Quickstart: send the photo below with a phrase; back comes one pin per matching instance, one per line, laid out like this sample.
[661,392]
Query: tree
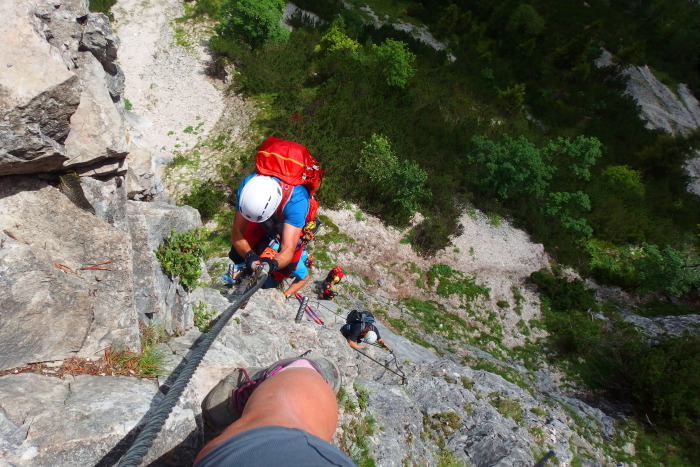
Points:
[337,40]
[578,155]
[398,185]
[618,205]
[525,22]
[254,22]
[510,167]
[568,207]
[395,62]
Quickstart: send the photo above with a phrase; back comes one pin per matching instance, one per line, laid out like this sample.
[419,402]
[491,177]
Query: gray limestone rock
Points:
[108,197]
[141,180]
[97,128]
[155,295]
[57,308]
[100,40]
[38,95]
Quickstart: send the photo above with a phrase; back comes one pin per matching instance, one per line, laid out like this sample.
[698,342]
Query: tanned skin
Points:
[288,243]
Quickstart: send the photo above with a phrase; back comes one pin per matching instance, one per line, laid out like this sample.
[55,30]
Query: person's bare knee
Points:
[293,398]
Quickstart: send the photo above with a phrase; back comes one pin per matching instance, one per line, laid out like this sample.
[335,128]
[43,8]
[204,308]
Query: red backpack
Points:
[293,165]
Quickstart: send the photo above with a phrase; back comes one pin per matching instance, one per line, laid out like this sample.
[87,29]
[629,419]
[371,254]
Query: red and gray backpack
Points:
[293,165]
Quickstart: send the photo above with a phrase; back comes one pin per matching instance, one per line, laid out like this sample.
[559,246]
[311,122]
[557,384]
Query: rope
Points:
[152,427]
[400,373]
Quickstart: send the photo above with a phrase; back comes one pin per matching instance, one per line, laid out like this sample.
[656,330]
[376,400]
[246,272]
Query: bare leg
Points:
[296,286]
[293,398]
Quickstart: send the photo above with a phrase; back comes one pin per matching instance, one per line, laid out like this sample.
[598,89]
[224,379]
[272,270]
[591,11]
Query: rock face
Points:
[56,308]
[64,188]
[38,94]
[445,408]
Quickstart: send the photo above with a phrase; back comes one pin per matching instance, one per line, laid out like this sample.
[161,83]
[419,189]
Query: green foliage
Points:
[103,6]
[179,256]
[433,234]
[525,21]
[661,308]
[394,60]
[567,207]
[207,198]
[335,40]
[200,8]
[255,22]
[146,364]
[618,202]
[433,318]
[513,97]
[362,395]
[127,104]
[398,184]
[510,168]
[451,282]
[202,317]
[507,407]
[566,309]
[562,294]
[648,267]
[577,156]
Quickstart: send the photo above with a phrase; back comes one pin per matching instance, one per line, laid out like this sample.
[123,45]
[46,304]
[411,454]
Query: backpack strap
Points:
[287,190]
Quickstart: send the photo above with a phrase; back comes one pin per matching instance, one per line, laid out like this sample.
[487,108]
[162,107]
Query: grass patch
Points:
[507,407]
[145,364]
[450,282]
[507,373]
[203,317]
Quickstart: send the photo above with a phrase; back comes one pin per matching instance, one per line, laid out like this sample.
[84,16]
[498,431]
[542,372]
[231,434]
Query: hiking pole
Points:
[152,427]
[302,308]
[402,376]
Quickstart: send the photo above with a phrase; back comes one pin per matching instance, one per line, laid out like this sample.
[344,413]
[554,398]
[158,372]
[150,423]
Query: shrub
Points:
[180,254]
[397,184]
[562,294]
[254,22]
[395,62]
[206,198]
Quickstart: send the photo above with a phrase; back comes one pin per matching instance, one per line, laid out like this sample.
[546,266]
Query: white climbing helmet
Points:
[260,198]
[370,337]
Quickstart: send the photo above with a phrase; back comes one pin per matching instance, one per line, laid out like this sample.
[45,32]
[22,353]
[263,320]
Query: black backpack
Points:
[363,317]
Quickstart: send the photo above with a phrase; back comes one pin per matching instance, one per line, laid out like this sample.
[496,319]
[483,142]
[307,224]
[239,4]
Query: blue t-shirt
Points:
[294,212]
[301,270]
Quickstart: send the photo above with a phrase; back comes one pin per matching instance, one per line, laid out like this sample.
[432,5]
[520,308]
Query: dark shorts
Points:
[274,446]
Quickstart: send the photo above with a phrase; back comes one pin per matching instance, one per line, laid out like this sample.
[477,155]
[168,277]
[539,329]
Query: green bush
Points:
[647,268]
[103,6]
[398,185]
[206,198]
[179,256]
[563,295]
[394,61]
[254,22]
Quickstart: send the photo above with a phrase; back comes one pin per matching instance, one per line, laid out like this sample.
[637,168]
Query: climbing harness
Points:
[309,311]
[152,427]
[398,371]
